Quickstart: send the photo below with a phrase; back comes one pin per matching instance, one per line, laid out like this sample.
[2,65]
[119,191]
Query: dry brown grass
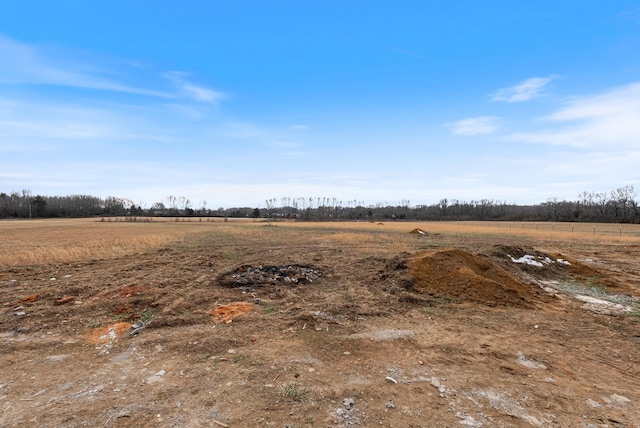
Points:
[392,233]
[38,242]
[609,229]
[57,241]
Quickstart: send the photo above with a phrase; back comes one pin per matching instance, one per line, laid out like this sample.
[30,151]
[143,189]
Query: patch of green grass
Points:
[122,317]
[269,309]
[597,291]
[429,310]
[146,315]
[348,298]
[231,254]
[446,300]
[240,358]
[588,289]
[294,392]
[202,358]
[95,324]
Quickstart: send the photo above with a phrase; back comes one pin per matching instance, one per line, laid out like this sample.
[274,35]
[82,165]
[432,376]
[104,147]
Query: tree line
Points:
[617,206]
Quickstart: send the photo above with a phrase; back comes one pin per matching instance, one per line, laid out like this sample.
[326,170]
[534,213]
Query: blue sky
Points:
[376,101]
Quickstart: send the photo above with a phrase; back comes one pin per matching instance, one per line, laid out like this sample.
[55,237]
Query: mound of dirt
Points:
[538,265]
[457,274]
[259,276]
[417,231]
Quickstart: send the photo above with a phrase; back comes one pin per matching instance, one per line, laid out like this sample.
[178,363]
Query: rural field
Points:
[207,323]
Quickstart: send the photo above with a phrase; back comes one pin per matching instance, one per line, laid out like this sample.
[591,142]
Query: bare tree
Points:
[173,202]
[269,203]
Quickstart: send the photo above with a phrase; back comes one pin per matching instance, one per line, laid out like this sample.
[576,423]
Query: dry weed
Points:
[39,242]
[59,241]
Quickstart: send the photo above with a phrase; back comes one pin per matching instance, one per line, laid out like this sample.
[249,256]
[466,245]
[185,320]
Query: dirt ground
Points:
[284,331]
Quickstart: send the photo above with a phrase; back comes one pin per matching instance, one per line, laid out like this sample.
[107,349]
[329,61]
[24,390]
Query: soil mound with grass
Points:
[459,275]
[535,266]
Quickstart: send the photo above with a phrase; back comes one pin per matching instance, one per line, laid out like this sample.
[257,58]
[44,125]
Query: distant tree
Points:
[4,198]
[39,205]
[256,213]
[623,201]
[270,204]
[185,204]
[114,206]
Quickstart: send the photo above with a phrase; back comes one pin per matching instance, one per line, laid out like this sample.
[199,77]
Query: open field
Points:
[55,241]
[337,324]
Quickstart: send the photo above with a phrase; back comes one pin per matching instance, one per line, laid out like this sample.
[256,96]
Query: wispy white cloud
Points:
[199,93]
[405,52]
[243,130]
[631,14]
[42,125]
[264,136]
[21,63]
[605,121]
[474,126]
[528,90]
[299,127]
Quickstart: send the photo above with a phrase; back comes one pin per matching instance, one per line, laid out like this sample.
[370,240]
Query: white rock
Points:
[527,362]
[527,259]
[593,403]
[617,400]
[55,358]
[348,403]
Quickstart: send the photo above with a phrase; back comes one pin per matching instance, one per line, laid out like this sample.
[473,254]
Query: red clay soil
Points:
[108,333]
[134,290]
[457,274]
[29,299]
[226,313]
[65,299]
